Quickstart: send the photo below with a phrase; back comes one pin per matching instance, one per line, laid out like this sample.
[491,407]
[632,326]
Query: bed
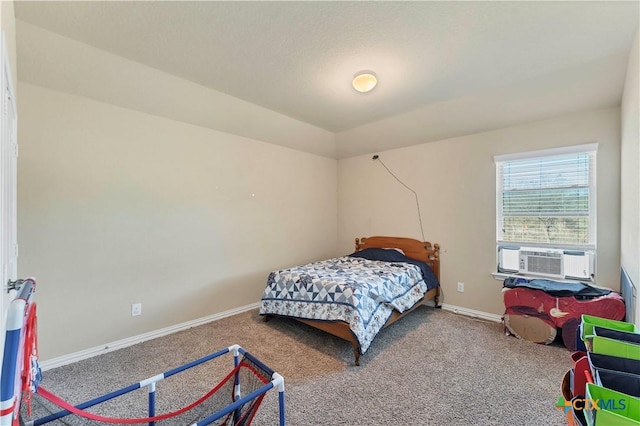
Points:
[354,297]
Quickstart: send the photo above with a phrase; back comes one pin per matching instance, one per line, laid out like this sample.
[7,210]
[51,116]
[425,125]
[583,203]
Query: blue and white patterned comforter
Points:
[358,291]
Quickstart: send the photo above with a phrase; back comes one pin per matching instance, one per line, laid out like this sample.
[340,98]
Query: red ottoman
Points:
[535,315]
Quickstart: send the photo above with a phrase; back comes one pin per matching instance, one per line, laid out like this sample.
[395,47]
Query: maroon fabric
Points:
[570,333]
[562,312]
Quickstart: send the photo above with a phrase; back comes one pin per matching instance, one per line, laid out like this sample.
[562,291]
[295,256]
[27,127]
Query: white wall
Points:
[118,206]
[630,176]
[456,184]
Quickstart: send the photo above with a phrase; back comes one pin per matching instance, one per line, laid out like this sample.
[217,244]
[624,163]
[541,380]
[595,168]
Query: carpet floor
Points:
[431,368]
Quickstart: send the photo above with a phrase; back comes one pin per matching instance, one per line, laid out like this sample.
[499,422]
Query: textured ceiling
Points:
[298,58]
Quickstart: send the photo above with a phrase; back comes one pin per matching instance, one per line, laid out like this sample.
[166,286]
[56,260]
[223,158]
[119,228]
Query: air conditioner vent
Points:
[551,263]
[541,262]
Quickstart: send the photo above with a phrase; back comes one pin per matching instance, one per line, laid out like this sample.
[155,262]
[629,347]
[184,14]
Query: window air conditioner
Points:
[549,263]
[579,265]
[508,259]
[539,262]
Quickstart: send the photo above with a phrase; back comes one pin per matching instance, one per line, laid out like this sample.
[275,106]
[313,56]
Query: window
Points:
[546,201]
[547,198]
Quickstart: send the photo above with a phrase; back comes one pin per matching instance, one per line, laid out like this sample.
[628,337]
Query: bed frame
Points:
[419,250]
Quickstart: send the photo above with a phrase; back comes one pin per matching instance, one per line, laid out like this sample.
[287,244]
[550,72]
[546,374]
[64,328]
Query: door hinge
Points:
[16,149]
[14,285]
[15,250]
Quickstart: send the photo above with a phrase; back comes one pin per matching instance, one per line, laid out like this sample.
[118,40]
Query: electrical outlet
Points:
[461,287]
[136,309]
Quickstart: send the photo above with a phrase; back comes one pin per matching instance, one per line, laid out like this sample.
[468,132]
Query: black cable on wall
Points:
[377,157]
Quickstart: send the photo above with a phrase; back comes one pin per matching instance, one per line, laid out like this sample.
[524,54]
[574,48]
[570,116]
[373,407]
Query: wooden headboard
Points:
[415,249]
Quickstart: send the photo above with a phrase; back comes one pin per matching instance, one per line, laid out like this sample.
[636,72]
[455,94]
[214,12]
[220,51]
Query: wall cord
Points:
[377,157]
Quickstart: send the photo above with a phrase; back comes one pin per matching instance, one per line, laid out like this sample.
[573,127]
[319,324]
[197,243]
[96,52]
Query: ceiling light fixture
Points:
[364,81]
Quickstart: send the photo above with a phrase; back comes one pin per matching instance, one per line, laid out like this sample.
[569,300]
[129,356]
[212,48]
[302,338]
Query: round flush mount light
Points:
[364,81]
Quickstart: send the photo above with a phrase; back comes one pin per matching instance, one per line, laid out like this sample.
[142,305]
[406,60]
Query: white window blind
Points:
[547,198]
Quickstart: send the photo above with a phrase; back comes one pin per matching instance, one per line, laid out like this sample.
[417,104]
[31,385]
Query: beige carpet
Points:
[431,368]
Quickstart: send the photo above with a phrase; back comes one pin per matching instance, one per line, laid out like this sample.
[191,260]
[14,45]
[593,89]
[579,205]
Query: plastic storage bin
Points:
[588,322]
[618,381]
[614,408]
[625,336]
[616,373]
[577,379]
[612,363]
[613,347]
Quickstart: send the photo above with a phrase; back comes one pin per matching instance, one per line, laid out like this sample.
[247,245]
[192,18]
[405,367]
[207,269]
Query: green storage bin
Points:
[588,322]
[615,408]
[612,347]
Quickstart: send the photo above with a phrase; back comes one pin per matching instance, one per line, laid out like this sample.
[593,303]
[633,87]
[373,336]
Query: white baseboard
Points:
[109,347]
[472,313]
